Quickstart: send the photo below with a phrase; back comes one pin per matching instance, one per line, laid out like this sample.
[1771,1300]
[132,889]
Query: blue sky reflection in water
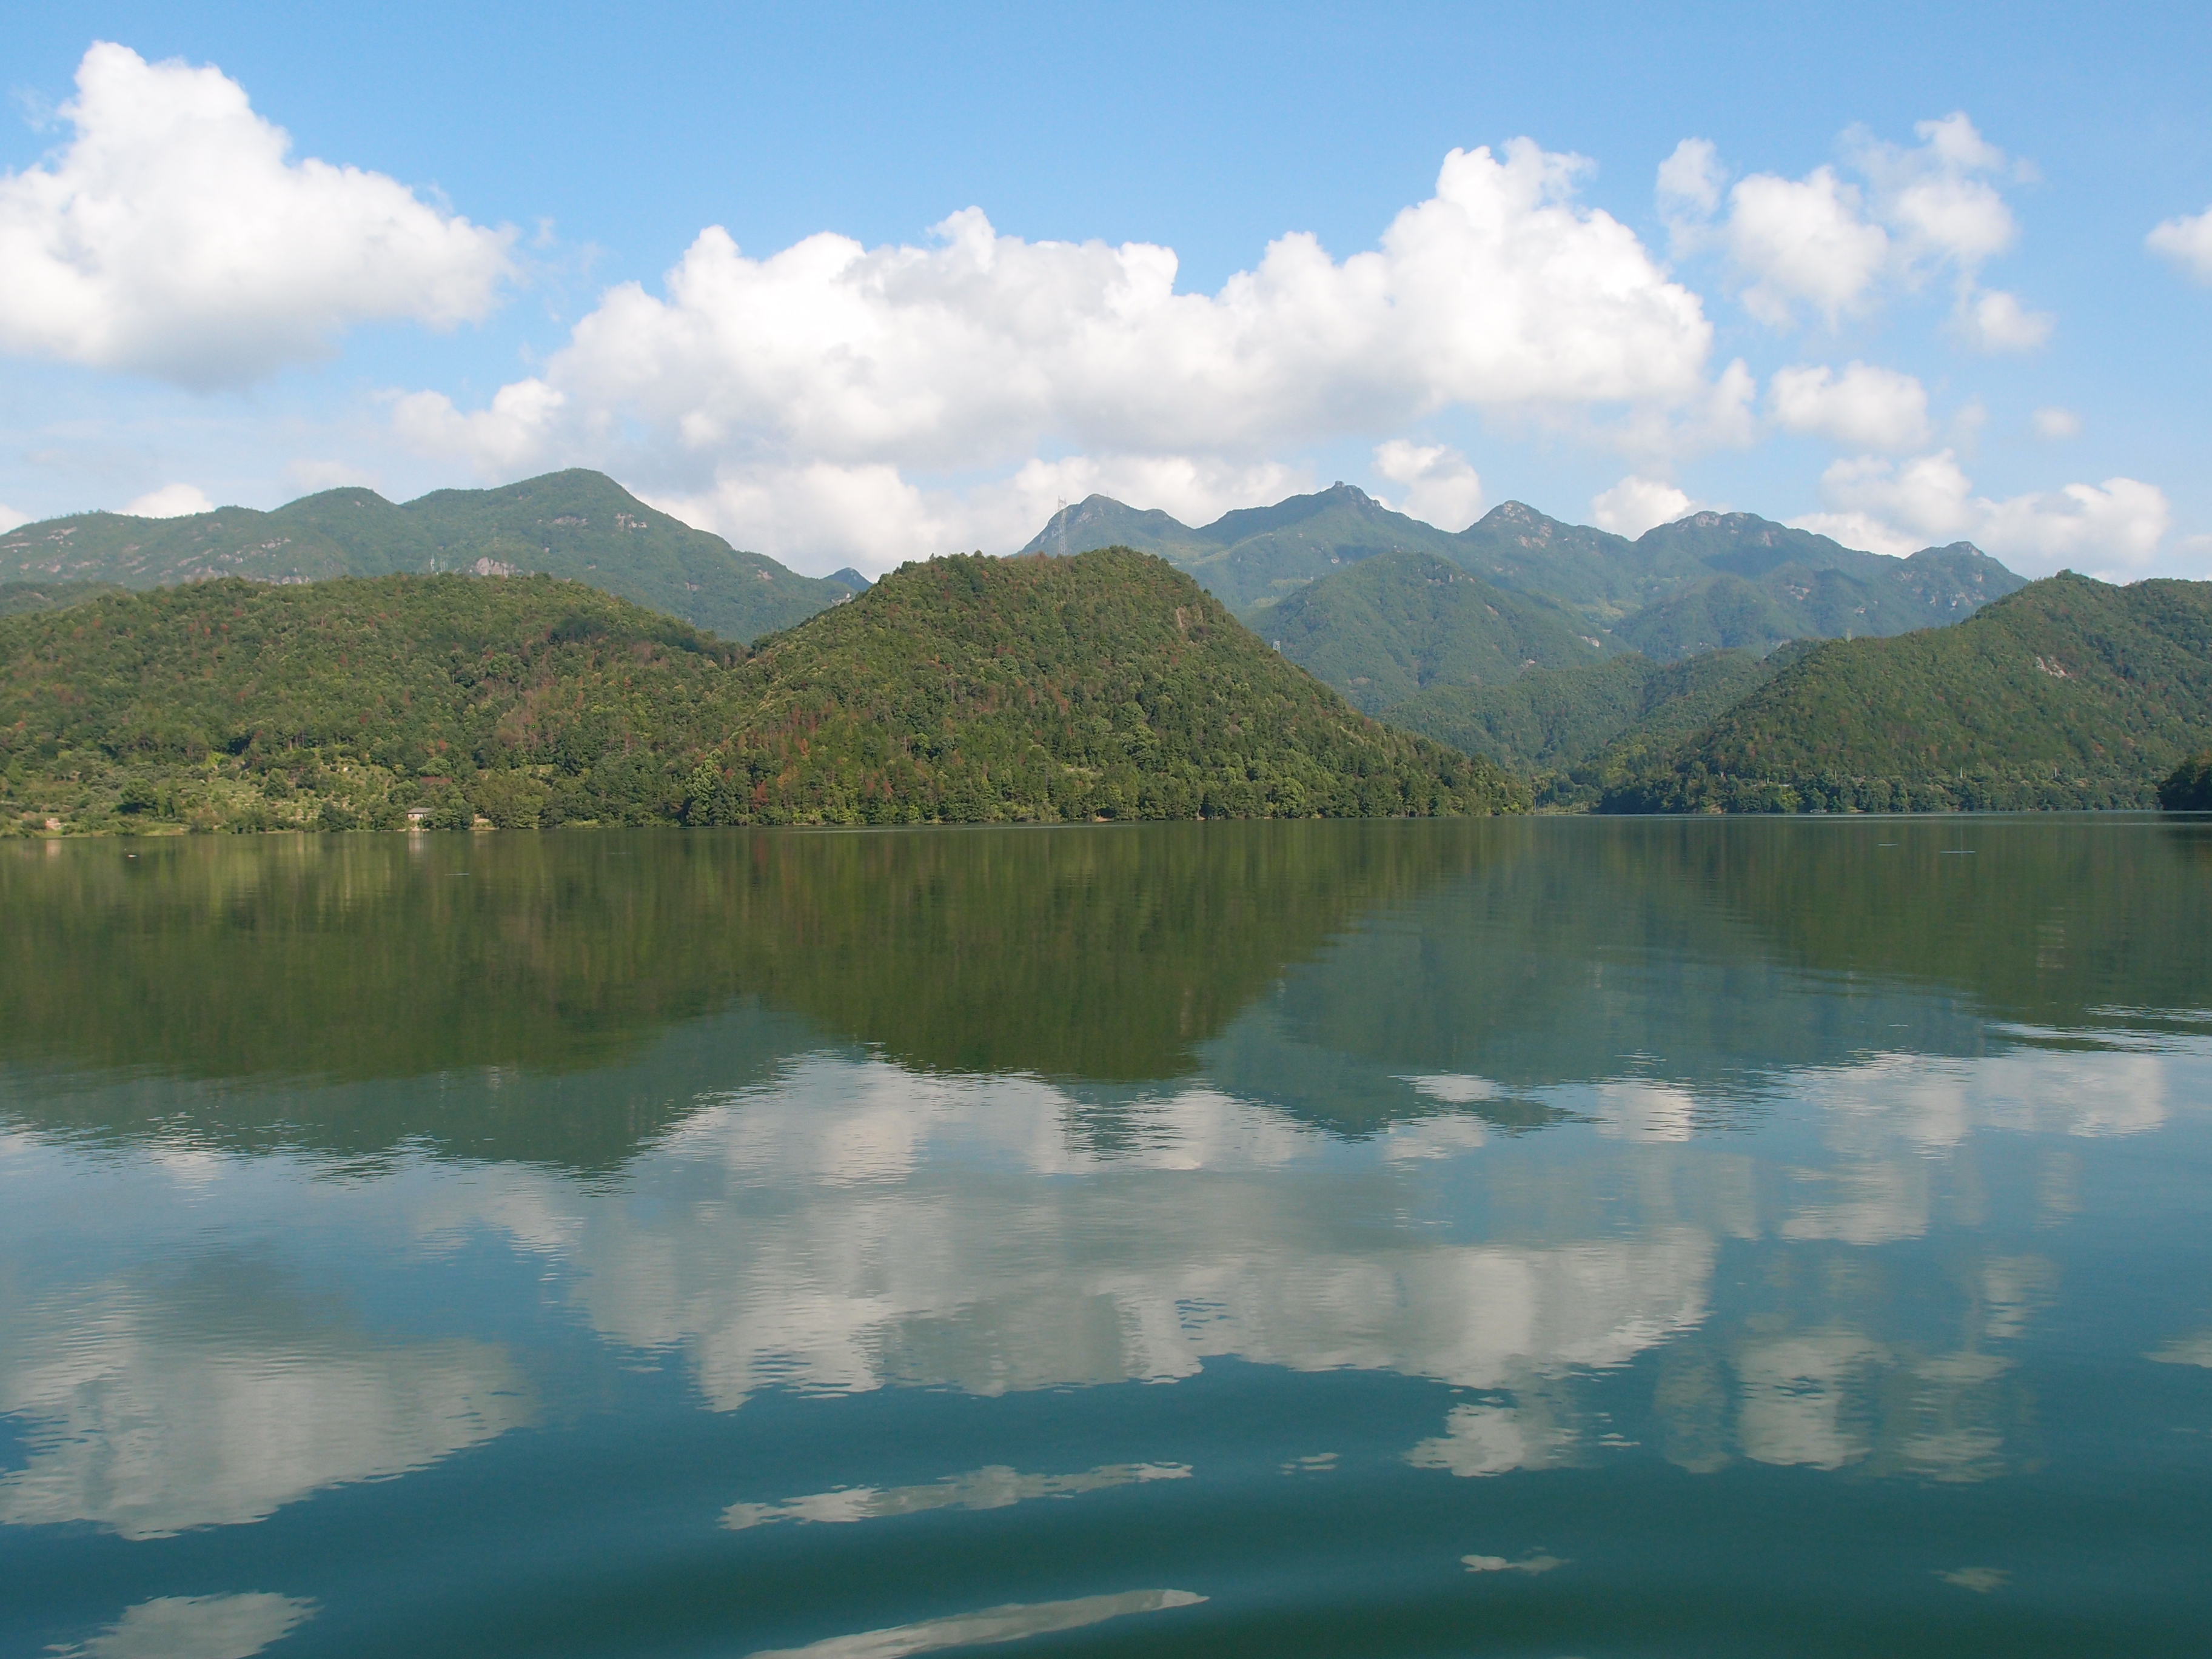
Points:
[1543,1237]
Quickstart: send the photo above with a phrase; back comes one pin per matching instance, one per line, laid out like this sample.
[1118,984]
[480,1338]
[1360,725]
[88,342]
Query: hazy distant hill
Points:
[2069,693]
[577,524]
[1702,583]
[1381,630]
[1573,728]
[1256,556]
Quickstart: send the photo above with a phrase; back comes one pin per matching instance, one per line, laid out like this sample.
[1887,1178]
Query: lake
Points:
[1557,1237]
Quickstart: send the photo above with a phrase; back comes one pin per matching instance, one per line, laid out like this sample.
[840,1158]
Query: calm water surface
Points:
[1557,1237]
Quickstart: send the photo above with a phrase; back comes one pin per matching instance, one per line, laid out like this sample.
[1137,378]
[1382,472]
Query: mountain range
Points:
[578,524]
[1709,581]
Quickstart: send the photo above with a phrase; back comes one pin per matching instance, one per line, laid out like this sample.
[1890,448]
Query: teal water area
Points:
[1554,1238]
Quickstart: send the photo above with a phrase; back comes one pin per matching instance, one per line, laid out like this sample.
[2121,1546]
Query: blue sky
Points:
[1963,206]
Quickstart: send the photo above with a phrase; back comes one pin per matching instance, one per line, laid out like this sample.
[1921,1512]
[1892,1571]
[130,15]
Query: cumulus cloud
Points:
[9,518]
[1637,504]
[1803,239]
[1864,408]
[2056,424]
[855,372]
[172,236]
[2187,241]
[2112,529]
[171,501]
[1994,320]
[1827,244]
[1440,488]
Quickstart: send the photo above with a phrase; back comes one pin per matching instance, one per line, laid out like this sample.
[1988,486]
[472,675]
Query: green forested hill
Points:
[1107,683]
[17,597]
[577,524]
[960,689]
[1571,728]
[2069,693]
[231,704]
[1387,626]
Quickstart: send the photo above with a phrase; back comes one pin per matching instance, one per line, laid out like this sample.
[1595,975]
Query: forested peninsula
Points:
[961,690]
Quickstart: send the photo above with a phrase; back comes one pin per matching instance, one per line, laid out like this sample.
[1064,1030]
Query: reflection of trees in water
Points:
[535,995]
[1724,953]
[483,970]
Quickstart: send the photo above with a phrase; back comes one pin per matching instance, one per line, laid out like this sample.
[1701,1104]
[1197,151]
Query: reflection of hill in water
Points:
[465,989]
[568,998]
[1715,954]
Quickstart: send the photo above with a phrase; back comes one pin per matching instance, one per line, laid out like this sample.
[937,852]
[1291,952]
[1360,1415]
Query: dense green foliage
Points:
[233,704]
[18,598]
[966,690]
[1107,684]
[2188,788]
[2069,693]
[1575,730]
[1389,626]
[577,524]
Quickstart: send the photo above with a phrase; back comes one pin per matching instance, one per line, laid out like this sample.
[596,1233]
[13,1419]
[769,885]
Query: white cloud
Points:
[1440,488]
[867,370]
[1637,504]
[1829,243]
[172,237]
[2055,423]
[171,501]
[1991,319]
[2112,529]
[1803,239]
[1937,196]
[2187,241]
[1865,408]
[9,518]
[1688,193]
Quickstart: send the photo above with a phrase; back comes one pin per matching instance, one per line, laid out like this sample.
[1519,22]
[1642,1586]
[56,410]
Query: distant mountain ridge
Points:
[1709,581]
[578,524]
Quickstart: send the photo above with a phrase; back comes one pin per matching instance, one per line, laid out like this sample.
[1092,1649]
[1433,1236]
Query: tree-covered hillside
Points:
[17,597]
[576,524]
[237,705]
[1389,626]
[1106,683]
[961,689]
[2069,693]
[1573,729]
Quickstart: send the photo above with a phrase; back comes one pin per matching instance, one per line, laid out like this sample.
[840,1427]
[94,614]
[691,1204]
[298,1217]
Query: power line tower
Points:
[1060,518]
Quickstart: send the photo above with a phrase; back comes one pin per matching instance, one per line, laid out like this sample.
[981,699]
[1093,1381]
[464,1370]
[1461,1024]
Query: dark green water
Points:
[1557,1237]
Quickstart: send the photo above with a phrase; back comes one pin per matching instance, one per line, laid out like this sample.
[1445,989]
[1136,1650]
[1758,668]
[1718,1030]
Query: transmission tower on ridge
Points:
[1060,518]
